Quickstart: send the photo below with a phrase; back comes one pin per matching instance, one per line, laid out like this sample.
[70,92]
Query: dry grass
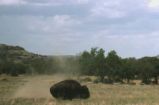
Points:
[27,90]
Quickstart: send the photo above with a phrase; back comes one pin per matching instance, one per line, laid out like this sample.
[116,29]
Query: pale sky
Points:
[68,27]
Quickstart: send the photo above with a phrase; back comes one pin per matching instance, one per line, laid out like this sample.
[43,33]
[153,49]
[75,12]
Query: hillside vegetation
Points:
[17,54]
[16,60]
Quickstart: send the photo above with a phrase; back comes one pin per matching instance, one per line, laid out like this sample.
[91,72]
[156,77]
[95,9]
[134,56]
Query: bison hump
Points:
[68,83]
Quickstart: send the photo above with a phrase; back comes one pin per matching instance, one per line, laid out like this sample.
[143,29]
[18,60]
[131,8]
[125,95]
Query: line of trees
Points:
[12,68]
[110,68]
[115,69]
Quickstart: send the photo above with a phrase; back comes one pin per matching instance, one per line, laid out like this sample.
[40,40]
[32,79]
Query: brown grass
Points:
[34,90]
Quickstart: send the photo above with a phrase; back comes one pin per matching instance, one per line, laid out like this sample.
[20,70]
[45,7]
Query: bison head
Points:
[84,92]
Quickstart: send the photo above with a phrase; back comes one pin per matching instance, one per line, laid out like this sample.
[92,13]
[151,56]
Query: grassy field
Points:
[34,90]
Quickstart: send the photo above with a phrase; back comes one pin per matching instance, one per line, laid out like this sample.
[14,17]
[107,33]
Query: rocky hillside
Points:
[17,54]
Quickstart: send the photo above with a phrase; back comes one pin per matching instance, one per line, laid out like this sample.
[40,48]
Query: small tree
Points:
[145,69]
[128,67]
[101,65]
[93,63]
[1,68]
[85,62]
[114,63]
[154,64]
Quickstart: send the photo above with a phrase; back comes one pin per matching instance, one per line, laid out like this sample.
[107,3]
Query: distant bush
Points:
[108,81]
[96,81]
[4,80]
[87,79]
[142,83]
[132,83]
[14,74]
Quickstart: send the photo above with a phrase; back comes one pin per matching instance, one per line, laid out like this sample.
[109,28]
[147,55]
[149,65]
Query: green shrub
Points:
[14,74]
[87,79]
[96,81]
[108,81]
[142,83]
[4,80]
[132,83]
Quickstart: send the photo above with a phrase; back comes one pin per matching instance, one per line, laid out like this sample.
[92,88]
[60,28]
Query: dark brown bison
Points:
[69,89]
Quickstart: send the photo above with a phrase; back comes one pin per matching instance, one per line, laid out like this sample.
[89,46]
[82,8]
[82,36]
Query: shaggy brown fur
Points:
[69,89]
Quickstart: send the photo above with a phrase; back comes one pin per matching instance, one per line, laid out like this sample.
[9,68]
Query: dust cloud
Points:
[68,65]
[38,86]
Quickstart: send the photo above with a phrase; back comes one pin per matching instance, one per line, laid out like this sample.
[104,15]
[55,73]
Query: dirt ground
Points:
[34,90]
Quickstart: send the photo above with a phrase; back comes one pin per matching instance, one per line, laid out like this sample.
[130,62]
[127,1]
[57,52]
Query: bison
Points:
[69,89]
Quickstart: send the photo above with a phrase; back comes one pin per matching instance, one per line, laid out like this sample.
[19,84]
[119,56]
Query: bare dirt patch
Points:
[37,87]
